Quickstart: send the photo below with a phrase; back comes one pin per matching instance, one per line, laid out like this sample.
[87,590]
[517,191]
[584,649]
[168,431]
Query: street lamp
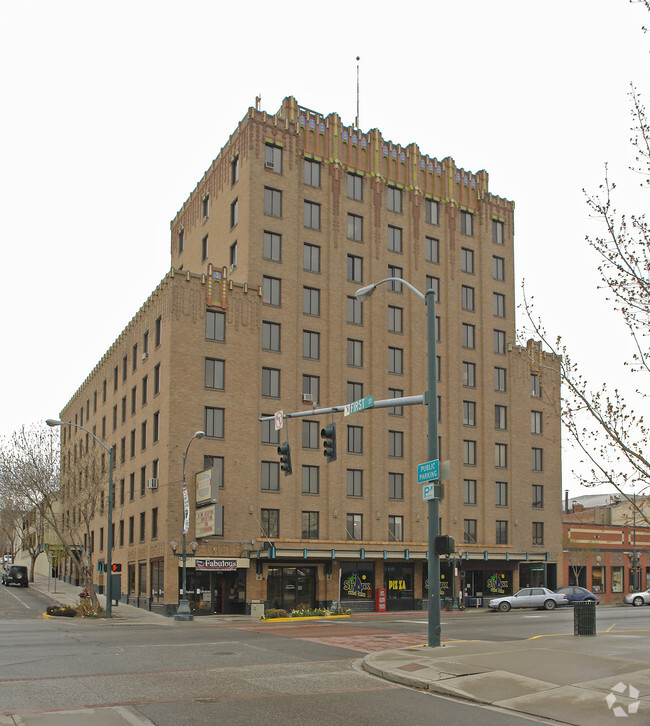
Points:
[109,534]
[183,611]
[431,398]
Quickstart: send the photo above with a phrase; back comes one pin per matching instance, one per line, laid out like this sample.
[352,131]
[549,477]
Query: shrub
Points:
[307,613]
[275,613]
[64,611]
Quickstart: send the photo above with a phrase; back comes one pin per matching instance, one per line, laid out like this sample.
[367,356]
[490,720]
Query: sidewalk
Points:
[581,680]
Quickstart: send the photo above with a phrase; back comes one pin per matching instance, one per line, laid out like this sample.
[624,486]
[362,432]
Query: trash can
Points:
[584,618]
[257,609]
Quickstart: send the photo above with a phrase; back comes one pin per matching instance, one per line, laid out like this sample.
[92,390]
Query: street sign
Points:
[428,492]
[279,420]
[360,405]
[428,471]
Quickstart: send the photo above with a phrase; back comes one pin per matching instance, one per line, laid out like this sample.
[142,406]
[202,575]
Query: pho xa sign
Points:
[207,486]
[209,521]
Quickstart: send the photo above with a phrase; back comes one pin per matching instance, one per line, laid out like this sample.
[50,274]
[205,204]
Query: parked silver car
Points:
[529,597]
[638,598]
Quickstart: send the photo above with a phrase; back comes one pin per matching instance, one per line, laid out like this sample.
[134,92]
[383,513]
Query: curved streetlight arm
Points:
[55,422]
[364,293]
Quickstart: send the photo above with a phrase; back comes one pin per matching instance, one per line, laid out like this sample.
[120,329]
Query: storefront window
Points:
[357,581]
[157,580]
[142,578]
[291,588]
[131,578]
[617,579]
[399,586]
[598,579]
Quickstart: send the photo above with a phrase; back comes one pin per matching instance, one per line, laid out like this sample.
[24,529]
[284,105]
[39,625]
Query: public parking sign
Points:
[428,471]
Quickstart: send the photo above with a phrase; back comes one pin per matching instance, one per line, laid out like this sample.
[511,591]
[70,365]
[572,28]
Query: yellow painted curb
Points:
[309,617]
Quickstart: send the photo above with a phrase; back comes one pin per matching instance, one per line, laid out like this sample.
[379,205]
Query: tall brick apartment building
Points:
[258,315]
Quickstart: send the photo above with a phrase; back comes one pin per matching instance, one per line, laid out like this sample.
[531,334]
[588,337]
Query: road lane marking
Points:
[17,598]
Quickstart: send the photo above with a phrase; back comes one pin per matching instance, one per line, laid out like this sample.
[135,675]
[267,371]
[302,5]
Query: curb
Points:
[293,620]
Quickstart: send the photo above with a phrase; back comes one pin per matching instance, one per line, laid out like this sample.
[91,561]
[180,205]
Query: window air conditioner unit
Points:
[307,398]
[269,165]
[145,356]
[152,483]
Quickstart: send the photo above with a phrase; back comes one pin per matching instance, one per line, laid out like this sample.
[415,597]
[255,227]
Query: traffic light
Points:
[115,567]
[328,434]
[285,458]
[445,545]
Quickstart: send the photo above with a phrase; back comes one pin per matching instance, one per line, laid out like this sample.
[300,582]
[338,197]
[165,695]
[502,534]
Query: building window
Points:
[394,239]
[497,231]
[535,386]
[270,336]
[395,410]
[269,433]
[131,530]
[500,342]
[156,426]
[433,283]
[234,213]
[355,227]
[355,352]
[499,305]
[469,452]
[538,496]
[273,158]
[500,417]
[431,211]
[355,440]
[214,373]
[142,526]
[272,202]
[310,435]
[309,525]
[469,531]
[355,268]
[311,258]
[469,413]
[617,578]
[395,360]
[469,491]
[396,444]
[154,523]
[394,319]
[311,301]
[311,215]
[132,486]
[310,344]
[271,382]
[311,387]
[498,268]
[501,456]
[233,255]
[355,187]
[214,422]
[216,464]
[538,533]
[312,173]
[234,171]
[501,532]
[156,380]
[432,249]
[467,224]
[132,443]
[204,248]
[270,523]
[310,480]
[469,336]
[270,476]
[145,390]
[467,260]
[354,391]
[501,493]
[272,246]
[537,459]
[500,379]
[395,485]
[394,200]
[134,399]
[535,422]
[205,206]
[394,271]
[125,366]
[467,298]
[215,325]
[271,287]
[181,240]
[395,528]
[354,526]
[469,374]
[354,482]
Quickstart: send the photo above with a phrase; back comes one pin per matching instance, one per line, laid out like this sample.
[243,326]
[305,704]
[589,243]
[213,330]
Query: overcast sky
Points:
[112,113]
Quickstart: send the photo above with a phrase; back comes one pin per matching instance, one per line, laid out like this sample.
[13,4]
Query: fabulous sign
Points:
[219,565]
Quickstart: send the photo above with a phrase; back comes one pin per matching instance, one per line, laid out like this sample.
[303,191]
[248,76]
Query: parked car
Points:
[529,597]
[15,575]
[638,598]
[574,593]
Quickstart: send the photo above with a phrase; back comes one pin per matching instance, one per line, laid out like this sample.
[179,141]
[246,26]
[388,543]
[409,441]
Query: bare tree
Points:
[604,421]
[30,473]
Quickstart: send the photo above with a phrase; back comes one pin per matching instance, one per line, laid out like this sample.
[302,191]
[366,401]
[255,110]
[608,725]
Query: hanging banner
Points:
[186,510]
